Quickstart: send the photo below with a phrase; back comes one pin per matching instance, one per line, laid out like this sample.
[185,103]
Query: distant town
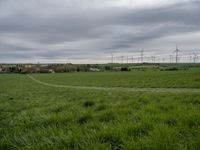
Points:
[61,68]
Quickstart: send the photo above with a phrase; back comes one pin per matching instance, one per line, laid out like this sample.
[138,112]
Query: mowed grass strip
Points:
[134,79]
[120,89]
[34,116]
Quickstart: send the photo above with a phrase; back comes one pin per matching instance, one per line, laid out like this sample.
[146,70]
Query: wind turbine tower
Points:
[132,59]
[153,58]
[112,58]
[122,59]
[142,55]
[190,59]
[177,51]
[195,57]
[171,59]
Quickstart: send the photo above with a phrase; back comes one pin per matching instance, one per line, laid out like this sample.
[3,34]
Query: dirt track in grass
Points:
[168,90]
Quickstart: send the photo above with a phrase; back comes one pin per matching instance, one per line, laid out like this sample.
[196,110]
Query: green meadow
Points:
[37,116]
[148,78]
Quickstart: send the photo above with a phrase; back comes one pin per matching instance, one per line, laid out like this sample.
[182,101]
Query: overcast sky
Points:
[88,31]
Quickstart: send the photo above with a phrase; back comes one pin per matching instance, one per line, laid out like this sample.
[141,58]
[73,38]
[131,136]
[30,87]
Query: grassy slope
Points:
[186,78]
[38,117]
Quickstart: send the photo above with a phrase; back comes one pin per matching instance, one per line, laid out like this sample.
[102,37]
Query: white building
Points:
[94,69]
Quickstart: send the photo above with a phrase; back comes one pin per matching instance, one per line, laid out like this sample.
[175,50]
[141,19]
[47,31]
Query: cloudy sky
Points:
[88,31]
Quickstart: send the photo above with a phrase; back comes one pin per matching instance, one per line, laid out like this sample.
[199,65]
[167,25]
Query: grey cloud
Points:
[112,28]
[181,13]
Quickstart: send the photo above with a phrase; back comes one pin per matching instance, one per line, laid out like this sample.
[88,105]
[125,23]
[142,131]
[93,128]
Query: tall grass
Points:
[33,116]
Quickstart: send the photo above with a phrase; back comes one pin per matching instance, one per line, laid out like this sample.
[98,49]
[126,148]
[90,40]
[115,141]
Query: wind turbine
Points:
[153,58]
[195,57]
[171,58]
[122,59]
[141,53]
[177,51]
[112,57]
[190,58]
[132,59]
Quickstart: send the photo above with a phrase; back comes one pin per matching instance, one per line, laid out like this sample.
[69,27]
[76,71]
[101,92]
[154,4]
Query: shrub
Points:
[125,69]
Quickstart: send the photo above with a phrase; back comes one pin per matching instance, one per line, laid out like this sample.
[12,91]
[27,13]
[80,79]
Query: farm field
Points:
[39,116]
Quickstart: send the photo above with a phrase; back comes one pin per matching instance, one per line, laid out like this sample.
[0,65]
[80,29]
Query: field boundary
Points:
[168,90]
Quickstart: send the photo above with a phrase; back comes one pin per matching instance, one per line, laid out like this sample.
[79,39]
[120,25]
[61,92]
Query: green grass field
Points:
[162,79]
[35,116]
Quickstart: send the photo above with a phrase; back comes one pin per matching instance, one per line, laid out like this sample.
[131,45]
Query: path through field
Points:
[171,90]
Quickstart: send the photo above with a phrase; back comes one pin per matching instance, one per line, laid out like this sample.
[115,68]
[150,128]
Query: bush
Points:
[172,69]
[125,69]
